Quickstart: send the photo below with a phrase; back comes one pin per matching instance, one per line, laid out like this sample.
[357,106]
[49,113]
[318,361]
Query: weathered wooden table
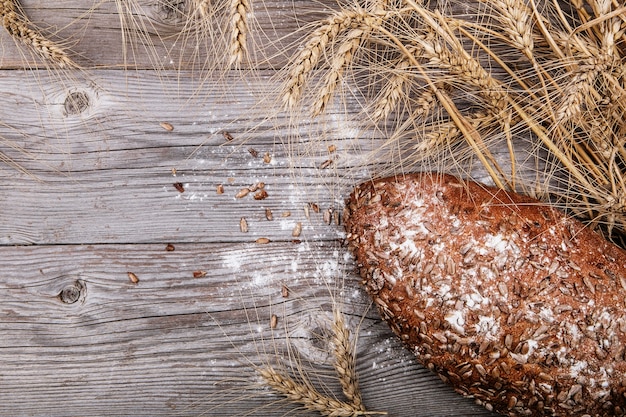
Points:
[108,187]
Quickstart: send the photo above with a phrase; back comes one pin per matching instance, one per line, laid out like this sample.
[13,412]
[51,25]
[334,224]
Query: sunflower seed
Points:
[297,229]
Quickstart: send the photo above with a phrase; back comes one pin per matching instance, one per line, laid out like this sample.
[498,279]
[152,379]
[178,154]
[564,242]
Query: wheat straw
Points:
[569,101]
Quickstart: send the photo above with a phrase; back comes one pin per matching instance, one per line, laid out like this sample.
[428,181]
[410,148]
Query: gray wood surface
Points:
[98,200]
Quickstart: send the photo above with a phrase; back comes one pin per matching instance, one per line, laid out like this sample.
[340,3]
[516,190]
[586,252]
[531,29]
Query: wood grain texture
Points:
[156,34]
[107,177]
[159,347]
[77,337]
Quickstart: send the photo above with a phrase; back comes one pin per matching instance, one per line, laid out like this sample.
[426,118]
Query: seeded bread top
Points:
[509,300]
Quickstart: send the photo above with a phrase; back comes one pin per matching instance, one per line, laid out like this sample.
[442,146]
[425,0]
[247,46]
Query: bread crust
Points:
[510,301]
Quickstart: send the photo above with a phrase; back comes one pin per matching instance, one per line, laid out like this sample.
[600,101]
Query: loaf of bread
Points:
[510,301]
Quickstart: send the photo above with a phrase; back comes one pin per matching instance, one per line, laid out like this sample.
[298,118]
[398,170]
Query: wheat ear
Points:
[19,27]
[447,132]
[468,69]
[310,55]
[516,17]
[202,8]
[307,396]
[396,88]
[239,30]
[341,60]
[392,92]
[425,103]
[345,361]
[579,89]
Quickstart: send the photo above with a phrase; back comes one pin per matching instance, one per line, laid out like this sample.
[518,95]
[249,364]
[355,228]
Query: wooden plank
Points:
[77,338]
[159,35]
[104,175]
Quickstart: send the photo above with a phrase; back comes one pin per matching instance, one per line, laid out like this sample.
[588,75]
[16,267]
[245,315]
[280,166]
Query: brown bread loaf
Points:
[508,300]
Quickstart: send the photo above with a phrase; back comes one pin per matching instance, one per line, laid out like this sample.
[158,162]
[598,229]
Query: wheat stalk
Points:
[19,27]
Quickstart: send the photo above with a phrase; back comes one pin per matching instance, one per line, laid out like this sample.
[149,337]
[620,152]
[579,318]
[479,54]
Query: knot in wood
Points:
[76,102]
[72,293]
[173,12]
